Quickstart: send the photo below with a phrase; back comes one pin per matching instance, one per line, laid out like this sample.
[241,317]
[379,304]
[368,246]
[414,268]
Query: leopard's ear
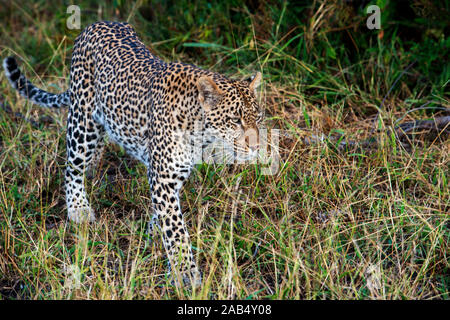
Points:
[255,82]
[209,94]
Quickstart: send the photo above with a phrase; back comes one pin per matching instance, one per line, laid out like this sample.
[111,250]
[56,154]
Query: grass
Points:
[332,223]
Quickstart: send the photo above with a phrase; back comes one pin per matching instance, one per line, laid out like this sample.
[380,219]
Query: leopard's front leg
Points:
[166,206]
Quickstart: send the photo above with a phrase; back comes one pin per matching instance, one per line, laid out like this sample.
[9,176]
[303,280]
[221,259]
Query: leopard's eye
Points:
[236,120]
[259,117]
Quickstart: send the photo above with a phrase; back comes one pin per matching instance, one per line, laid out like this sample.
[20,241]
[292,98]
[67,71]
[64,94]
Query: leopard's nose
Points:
[251,138]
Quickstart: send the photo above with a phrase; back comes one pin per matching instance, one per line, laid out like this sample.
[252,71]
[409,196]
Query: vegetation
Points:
[341,219]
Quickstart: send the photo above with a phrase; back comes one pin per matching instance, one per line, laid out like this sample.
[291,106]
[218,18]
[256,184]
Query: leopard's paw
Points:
[188,279]
[80,215]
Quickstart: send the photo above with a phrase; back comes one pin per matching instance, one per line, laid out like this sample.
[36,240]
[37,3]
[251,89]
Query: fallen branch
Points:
[19,115]
[439,126]
[405,132]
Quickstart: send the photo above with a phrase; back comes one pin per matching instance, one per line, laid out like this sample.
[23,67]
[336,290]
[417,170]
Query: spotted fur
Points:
[117,87]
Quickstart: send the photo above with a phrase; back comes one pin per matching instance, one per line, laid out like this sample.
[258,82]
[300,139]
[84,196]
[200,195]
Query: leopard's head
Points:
[232,112]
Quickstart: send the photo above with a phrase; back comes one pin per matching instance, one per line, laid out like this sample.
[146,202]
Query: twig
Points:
[439,126]
[19,115]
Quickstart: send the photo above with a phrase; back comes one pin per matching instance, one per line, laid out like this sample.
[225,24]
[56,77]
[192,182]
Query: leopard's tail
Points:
[29,91]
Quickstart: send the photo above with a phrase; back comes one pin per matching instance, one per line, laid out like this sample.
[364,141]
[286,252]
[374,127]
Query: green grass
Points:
[356,223]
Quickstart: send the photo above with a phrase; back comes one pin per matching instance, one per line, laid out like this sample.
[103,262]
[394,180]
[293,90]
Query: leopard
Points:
[119,90]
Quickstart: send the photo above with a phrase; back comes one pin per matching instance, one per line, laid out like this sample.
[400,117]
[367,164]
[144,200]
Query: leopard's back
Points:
[112,73]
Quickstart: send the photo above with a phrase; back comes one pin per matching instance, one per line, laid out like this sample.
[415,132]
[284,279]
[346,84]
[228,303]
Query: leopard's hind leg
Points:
[97,155]
[84,143]
[84,147]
